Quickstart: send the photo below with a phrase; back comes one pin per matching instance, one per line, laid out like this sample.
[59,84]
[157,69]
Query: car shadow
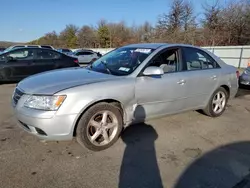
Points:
[224,167]
[139,166]
[243,91]
[8,83]
[227,166]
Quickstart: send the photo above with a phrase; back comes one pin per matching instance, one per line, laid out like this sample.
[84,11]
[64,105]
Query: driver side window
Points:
[24,54]
[167,60]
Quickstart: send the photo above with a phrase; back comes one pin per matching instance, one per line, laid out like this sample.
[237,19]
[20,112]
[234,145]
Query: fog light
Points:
[40,131]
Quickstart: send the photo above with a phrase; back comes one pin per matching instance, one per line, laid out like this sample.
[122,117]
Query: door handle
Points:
[181,82]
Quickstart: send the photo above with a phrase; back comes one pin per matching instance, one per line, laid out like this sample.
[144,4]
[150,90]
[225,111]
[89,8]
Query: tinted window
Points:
[84,53]
[197,59]
[22,54]
[66,50]
[46,54]
[32,46]
[167,60]
[87,53]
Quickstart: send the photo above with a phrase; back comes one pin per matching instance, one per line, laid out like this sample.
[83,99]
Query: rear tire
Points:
[99,127]
[217,103]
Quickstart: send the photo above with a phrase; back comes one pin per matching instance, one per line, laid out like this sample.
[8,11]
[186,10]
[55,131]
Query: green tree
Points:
[68,37]
[103,34]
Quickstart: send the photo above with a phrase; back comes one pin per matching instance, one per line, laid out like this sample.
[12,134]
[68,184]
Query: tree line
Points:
[227,24]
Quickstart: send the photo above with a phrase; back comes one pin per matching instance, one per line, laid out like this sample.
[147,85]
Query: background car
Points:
[30,46]
[23,62]
[244,79]
[128,85]
[86,56]
[65,51]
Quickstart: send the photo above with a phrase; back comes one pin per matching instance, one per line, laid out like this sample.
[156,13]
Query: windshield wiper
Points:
[106,66]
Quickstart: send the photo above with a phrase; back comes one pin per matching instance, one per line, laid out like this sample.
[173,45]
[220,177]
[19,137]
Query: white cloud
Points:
[20,30]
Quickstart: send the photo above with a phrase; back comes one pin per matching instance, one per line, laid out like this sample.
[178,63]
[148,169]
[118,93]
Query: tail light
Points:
[76,61]
[237,74]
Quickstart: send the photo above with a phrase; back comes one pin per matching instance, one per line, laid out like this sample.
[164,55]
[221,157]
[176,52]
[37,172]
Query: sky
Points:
[26,20]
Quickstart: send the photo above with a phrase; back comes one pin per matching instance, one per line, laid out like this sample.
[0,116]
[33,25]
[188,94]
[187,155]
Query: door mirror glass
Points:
[153,71]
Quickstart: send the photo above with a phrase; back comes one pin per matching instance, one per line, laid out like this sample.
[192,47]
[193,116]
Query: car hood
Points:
[51,82]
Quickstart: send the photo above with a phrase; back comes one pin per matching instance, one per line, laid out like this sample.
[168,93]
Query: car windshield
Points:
[122,61]
[8,49]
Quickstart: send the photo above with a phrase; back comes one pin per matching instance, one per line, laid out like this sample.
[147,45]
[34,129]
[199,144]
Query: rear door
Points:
[45,60]
[201,74]
[17,64]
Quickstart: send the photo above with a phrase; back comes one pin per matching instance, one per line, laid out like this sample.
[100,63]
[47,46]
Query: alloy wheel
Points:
[102,128]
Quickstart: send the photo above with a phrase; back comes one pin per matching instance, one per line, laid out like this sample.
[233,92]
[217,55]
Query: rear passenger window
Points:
[47,54]
[197,59]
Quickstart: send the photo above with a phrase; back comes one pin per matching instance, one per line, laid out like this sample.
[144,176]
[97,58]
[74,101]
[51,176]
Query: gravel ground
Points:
[180,151]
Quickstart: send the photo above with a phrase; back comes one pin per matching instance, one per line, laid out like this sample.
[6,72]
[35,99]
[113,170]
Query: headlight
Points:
[45,102]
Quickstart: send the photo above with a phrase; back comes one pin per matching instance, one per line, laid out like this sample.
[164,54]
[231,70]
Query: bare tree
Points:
[227,25]
[87,37]
[189,23]
[211,21]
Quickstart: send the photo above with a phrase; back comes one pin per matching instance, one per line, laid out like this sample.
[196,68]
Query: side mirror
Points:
[153,71]
[9,58]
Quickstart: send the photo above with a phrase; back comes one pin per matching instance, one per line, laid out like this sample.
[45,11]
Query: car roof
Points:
[84,50]
[146,45]
[157,45]
[33,47]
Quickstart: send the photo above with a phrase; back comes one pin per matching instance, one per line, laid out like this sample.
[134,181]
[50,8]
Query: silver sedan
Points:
[128,85]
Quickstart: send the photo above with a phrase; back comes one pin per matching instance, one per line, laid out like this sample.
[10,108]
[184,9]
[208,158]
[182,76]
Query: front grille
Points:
[17,95]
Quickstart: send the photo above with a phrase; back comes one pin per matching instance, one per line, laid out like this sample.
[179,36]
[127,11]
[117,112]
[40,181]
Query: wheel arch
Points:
[227,88]
[110,101]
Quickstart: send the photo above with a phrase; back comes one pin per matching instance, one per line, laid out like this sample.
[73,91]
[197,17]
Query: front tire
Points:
[217,103]
[99,127]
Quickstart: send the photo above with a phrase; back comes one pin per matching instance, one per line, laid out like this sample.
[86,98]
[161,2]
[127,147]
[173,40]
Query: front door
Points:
[17,64]
[161,95]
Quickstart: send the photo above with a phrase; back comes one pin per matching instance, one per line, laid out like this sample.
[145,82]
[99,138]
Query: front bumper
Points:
[46,125]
